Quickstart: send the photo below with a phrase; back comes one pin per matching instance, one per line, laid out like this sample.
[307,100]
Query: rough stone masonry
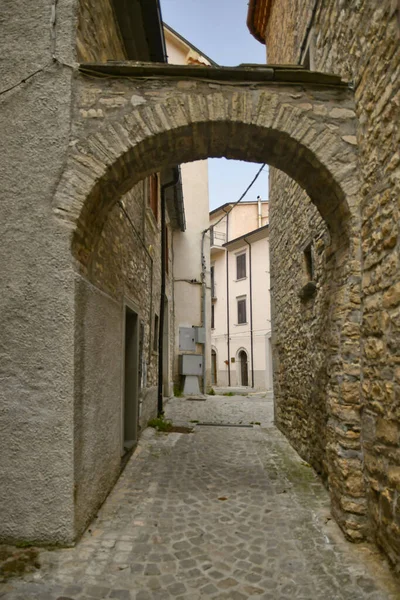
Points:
[360,41]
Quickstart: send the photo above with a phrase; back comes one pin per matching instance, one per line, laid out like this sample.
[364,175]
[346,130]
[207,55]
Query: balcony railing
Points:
[217,238]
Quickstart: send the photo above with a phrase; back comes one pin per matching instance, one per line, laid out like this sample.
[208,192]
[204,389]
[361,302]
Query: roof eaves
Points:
[246,235]
[255,6]
[185,41]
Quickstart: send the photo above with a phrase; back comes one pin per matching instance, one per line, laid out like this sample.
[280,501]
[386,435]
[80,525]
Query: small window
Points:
[212,316]
[212,277]
[309,263]
[155,336]
[241,266]
[153,194]
[241,307]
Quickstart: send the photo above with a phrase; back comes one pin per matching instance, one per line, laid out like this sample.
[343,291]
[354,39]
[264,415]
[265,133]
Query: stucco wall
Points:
[360,41]
[242,219]
[36,304]
[187,244]
[99,362]
[187,259]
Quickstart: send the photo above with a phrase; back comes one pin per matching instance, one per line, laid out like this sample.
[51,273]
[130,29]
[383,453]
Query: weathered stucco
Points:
[36,305]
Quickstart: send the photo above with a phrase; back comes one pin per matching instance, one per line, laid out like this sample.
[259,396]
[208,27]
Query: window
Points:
[155,336]
[153,194]
[212,316]
[309,263]
[212,277]
[241,308]
[241,266]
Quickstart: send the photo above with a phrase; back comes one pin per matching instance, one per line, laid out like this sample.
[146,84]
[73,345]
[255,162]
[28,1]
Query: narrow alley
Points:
[228,512]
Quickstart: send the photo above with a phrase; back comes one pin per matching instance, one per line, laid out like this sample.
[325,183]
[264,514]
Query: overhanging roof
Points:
[141,29]
[257,18]
[251,236]
[190,45]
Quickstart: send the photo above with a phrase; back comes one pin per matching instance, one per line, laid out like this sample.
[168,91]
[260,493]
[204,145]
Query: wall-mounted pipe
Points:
[228,341]
[122,207]
[203,305]
[251,314]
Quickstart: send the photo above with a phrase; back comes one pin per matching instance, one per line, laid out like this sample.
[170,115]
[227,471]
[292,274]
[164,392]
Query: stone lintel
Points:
[245,73]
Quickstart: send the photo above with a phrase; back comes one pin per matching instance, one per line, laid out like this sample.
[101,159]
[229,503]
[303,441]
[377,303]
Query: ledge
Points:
[280,74]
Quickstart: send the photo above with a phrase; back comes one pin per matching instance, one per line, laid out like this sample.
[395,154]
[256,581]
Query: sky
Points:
[218,28]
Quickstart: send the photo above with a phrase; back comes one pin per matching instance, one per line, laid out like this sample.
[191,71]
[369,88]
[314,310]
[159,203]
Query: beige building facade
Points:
[191,276]
[240,296]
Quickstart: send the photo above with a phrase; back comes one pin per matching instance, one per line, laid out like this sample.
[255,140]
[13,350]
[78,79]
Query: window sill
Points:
[239,324]
[241,279]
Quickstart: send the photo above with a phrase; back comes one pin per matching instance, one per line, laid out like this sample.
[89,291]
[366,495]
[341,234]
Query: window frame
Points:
[244,265]
[239,301]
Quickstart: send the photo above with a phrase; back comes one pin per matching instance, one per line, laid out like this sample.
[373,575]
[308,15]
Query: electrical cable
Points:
[240,199]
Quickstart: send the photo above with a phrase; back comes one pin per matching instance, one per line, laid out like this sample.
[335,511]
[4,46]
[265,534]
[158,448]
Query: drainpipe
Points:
[228,342]
[160,407]
[140,238]
[251,314]
[203,305]
[259,211]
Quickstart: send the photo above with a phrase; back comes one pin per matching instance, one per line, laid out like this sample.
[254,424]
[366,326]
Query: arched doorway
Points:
[214,376]
[244,368]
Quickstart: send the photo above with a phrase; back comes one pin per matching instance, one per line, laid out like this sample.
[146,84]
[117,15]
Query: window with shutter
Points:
[241,266]
[241,307]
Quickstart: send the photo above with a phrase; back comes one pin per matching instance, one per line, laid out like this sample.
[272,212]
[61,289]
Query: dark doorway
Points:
[166,390]
[244,372]
[131,383]
[213,367]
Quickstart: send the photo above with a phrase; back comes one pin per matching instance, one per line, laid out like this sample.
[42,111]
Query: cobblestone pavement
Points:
[225,513]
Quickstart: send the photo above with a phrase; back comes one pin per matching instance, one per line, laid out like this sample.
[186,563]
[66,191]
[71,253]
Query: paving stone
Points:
[121,594]
[163,532]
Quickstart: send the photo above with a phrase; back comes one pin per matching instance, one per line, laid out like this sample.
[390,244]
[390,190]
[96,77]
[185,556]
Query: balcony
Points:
[217,240]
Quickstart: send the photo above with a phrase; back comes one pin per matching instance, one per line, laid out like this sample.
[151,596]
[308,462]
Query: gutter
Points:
[251,315]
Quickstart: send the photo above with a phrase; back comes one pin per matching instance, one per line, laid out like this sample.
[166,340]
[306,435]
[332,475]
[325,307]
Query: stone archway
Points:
[129,125]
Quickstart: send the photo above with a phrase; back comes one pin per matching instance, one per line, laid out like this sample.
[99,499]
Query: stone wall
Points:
[98,36]
[123,268]
[360,41]
[301,326]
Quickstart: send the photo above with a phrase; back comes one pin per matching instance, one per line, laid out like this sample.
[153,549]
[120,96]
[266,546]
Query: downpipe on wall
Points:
[203,304]
[251,315]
